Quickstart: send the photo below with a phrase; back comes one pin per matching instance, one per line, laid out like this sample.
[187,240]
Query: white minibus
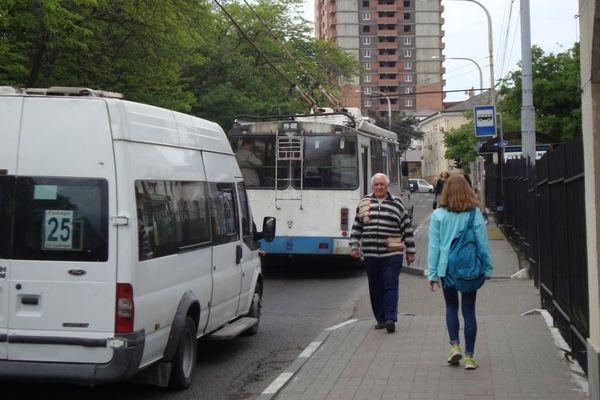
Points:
[125,235]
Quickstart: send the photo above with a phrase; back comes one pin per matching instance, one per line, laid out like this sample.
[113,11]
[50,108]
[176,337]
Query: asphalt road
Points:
[300,300]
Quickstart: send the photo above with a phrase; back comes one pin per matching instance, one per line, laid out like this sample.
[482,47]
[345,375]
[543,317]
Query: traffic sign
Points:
[485,120]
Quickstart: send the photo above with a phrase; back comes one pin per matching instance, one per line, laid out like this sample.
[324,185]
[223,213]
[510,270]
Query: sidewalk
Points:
[517,355]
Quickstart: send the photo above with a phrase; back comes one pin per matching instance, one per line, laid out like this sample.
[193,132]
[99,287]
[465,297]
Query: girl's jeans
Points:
[468,311]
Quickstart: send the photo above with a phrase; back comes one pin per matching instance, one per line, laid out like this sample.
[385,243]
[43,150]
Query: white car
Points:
[421,186]
[126,234]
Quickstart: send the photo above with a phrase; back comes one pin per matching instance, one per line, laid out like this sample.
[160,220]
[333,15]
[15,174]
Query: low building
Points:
[434,128]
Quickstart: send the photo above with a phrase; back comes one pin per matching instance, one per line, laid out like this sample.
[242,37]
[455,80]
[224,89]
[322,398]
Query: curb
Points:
[271,391]
[412,270]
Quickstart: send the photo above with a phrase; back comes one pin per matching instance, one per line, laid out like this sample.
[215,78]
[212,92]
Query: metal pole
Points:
[478,67]
[527,109]
[490,51]
[389,103]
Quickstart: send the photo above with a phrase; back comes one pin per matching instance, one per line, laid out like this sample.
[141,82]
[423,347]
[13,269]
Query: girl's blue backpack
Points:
[465,263]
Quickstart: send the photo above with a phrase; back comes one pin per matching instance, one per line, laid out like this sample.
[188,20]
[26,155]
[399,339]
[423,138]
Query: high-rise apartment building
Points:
[398,44]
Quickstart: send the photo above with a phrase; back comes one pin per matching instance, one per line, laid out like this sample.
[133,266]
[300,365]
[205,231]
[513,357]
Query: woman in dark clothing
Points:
[439,186]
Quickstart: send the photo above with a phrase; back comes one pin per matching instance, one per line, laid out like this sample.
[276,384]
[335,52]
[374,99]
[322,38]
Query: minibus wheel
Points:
[255,311]
[184,362]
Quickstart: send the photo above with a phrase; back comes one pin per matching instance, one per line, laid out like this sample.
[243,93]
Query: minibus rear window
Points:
[60,219]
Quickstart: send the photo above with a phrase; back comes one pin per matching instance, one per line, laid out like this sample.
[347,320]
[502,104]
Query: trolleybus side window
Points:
[172,217]
[61,219]
[330,162]
[393,161]
[377,160]
[223,212]
[256,158]
[7,203]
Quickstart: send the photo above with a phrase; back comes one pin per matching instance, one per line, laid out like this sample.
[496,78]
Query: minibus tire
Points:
[255,311]
[184,362]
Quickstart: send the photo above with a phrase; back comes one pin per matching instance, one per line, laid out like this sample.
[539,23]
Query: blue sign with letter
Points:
[485,120]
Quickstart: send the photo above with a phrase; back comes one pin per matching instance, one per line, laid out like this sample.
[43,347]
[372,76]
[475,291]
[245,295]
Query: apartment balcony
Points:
[387,7]
[387,45]
[388,70]
[387,57]
[387,32]
[387,20]
[389,82]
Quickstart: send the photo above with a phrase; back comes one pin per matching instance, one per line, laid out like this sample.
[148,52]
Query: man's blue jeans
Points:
[383,273]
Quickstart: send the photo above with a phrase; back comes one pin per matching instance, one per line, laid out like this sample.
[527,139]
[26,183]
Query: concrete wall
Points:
[589,20]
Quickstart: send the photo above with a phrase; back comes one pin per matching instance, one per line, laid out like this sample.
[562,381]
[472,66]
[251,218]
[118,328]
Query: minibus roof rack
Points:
[68,91]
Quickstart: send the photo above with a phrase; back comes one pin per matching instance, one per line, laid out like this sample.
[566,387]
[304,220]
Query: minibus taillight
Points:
[124,308]
[344,219]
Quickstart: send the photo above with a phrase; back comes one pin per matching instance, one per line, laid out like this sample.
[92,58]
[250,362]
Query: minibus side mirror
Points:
[268,230]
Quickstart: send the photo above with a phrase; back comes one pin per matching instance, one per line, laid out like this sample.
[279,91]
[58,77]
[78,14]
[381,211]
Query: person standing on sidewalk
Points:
[456,202]
[382,229]
[439,187]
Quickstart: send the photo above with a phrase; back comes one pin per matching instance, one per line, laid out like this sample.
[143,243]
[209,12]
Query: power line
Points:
[303,95]
[331,99]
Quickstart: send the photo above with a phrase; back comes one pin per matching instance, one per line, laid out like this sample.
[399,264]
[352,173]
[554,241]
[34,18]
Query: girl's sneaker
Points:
[455,355]
[470,363]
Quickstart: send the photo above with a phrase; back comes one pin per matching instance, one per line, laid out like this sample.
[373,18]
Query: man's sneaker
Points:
[390,326]
[470,363]
[455,355]
[379,325]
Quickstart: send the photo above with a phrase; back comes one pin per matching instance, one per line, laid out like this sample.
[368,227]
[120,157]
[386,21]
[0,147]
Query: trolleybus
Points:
[310,171]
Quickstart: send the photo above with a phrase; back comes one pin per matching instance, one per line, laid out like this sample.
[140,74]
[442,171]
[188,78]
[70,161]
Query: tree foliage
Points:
[460,143]
[404,126]
[180,54]
[556,94]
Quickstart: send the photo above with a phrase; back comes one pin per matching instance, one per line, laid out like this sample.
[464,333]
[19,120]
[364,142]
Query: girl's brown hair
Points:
[458,196]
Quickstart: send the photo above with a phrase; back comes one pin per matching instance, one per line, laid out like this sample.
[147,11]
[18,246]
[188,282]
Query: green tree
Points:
[404,126]
[237,80]
[460,144]
[179,54]
[556,94]
[137,48]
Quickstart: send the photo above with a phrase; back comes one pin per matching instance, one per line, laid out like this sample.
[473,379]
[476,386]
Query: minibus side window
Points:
[223,212]
[61,219]
[246,223]
[172,216]
[7,202]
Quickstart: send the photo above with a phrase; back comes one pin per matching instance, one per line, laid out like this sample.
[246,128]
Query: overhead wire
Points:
[331,99]
[307,98]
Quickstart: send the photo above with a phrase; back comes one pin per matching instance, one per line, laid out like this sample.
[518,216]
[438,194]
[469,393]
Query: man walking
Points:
[382,230]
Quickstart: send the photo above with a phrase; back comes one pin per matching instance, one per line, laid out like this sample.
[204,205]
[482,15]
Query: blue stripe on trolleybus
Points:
[298,245]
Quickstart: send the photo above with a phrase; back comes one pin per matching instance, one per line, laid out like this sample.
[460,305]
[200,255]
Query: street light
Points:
[490,50]
[389,106]
[468,59]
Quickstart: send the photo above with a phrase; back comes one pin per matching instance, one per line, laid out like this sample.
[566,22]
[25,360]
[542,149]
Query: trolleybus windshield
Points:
[330,162]
[256,158]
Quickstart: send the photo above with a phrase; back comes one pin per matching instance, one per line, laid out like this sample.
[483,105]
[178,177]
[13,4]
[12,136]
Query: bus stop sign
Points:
[485,120]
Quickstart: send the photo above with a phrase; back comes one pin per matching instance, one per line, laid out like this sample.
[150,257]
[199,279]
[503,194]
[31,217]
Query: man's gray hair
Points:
[380,175]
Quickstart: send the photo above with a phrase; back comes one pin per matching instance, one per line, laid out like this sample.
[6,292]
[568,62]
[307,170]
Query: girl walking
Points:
[455,204]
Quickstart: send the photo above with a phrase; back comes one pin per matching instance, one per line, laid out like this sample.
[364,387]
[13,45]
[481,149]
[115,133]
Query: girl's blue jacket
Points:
[445,226]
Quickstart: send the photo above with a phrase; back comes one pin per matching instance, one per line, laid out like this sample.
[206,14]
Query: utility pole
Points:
[527,109]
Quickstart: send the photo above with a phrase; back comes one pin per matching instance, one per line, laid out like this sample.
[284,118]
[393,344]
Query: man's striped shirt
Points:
[388,219]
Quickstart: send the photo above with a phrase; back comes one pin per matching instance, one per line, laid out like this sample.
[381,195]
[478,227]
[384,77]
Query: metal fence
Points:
[544,216]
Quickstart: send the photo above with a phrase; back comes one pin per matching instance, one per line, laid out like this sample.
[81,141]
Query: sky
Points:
[554,28]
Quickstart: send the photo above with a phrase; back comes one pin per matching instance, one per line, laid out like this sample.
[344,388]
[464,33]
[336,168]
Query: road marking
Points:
[294,367]
[333,328]
[278,383]
[310,349]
